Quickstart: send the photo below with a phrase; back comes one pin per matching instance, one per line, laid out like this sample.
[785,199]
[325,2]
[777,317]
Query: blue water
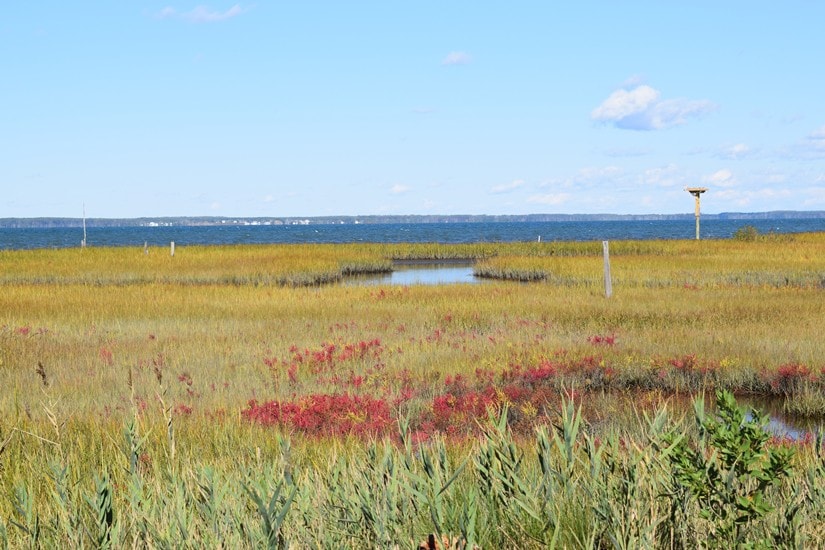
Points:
[420,274]
[395,233]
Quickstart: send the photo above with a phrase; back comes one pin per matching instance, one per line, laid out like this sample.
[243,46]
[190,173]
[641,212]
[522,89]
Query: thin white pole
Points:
[83,242]
[608,284]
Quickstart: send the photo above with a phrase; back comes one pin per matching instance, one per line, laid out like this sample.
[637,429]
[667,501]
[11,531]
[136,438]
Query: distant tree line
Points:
[44,222]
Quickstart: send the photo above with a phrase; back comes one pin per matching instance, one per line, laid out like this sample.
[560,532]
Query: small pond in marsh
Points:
[427,272]
[780,424]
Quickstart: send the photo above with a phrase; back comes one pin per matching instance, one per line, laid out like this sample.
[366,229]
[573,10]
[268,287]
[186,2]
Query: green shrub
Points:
[746,233]
[730,471]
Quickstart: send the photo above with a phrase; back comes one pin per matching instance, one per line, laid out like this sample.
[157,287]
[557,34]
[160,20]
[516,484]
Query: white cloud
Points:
[663,176]
[457,58]
[201,14]
[763,198]
[587,178]
[812,147]
[738,151]
[815,196]
[641,109]
[399,189]
[776,178]
[552,199]
[816,139]
[770,175]
[167,12]
[721,178]
[598,173]
[507,187]
[633,81]
[623,103]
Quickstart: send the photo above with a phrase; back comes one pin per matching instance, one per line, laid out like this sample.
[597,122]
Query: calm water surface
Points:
[394,233]
[421,274]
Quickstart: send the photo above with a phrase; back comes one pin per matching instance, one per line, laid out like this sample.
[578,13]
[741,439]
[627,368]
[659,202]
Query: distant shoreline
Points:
[201,221]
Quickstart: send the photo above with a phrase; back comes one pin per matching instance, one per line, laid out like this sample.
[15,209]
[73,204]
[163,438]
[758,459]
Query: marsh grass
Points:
[244,486]
[125,377]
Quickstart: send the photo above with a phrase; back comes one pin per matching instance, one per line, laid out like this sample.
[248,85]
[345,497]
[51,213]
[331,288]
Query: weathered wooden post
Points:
[608,283]
[696,192]
[146,247]
[172,248]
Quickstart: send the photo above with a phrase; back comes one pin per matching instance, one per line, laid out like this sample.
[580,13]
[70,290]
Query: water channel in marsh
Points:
[426,272]
[442,272]
[779,424]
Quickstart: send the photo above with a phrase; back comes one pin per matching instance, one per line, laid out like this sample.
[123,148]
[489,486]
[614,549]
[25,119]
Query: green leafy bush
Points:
[730,472]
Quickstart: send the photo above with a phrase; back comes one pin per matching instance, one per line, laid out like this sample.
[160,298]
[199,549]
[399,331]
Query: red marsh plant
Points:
[599,340]
[790,378]
[326,358]
[688,373]
[326,415]
[106,356]
[457,410]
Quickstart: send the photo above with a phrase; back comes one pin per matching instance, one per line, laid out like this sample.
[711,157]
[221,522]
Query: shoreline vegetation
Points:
[182,221]
[235,396]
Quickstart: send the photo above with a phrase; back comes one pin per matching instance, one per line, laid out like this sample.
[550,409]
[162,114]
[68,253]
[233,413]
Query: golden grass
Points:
[215,314]
[90,337]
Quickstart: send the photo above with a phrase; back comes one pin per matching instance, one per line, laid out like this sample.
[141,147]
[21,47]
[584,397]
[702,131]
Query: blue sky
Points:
[138,108]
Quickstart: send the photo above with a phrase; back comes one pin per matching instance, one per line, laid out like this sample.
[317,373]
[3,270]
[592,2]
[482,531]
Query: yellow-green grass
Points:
[90,331]
[90,338]
[293,265]
[193,486]
[797,260]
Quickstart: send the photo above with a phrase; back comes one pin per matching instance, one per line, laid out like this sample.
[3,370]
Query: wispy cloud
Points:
[598,173]
[588,177]
[507,187]
[815,196]
[734,152]
[551,199]
[816,140]
[457,58]
[167,13]
[399,189]
[811,147]
[641,108]
[663,176]
[201,14]
[721,178]
[762,198]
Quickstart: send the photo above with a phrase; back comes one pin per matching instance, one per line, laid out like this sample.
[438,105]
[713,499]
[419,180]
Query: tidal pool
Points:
[780,424]
[405,274]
